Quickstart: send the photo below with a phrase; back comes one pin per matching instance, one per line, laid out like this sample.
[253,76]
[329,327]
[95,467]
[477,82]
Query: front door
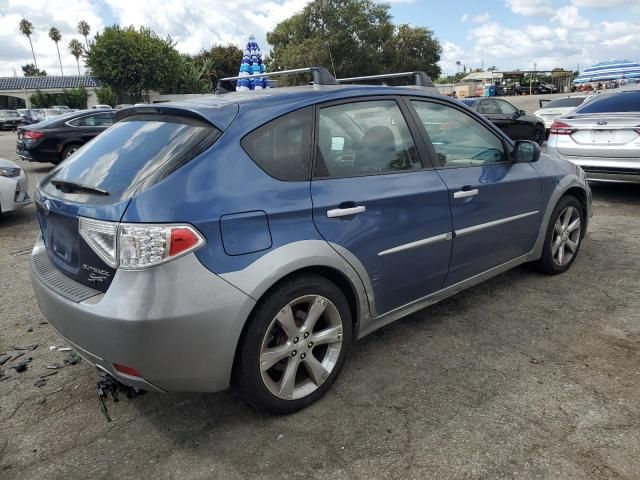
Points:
[495,203]
[377,204]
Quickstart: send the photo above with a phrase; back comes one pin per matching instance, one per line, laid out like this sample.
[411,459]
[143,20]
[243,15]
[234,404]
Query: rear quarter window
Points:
[282,147]
[137,152]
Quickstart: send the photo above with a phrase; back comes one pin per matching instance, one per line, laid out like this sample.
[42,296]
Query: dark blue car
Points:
[252,237]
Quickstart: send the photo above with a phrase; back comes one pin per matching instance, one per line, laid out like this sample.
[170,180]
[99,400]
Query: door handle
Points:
[466,193]
[343,212]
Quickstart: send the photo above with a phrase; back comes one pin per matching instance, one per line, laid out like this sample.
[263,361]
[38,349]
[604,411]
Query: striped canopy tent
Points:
[251,65]
[612,70]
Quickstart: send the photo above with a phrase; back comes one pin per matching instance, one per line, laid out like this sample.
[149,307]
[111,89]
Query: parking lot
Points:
[524,376]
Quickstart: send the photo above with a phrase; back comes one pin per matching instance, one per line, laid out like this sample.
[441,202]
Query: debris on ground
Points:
[28,348]
[108,385]
[30,329]
[72,359]
[20,367]
[64,349]
[4,358]
[41,382]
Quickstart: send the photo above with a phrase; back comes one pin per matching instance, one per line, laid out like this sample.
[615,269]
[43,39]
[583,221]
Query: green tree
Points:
[220,61]
[26,28]
[76,49]
[30,70]
[54,34]
[106,96]
[133,60]
[75,97]
[42,100]
[351,38]
[84,29]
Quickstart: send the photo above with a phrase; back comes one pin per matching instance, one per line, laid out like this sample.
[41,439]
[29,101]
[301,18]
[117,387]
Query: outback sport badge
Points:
[97,274]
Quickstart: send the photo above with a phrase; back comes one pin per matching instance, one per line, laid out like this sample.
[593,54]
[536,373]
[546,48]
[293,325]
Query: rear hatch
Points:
[145,146]
[601,136]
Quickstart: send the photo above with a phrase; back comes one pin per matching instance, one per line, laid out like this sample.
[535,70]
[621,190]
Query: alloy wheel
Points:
[566,236]
[71,151]
[301,347]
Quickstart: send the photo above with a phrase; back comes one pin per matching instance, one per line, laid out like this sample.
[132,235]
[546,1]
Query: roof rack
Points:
[320,77]
[421,79]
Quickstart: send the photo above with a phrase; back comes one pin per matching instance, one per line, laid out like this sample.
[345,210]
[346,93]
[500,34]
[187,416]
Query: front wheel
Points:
[564,236]
[295,344]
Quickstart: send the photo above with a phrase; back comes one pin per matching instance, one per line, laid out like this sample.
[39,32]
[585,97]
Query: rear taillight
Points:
[132,372]
[559,128]
[133,246]
[33,135]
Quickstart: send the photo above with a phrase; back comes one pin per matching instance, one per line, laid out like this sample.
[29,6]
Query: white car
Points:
[14,187]
[552,109]
[101,107]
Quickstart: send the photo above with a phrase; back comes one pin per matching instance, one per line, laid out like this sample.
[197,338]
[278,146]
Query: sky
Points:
[508,34]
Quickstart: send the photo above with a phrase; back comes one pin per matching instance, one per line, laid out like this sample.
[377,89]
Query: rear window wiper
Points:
[70,187]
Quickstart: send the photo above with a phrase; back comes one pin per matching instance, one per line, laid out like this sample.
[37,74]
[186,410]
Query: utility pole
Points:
[535,66]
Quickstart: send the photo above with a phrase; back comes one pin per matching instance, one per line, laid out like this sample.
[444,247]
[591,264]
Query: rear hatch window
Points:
[97,181]
[132,155]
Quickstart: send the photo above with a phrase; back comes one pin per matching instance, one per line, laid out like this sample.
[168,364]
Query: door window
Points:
[458,139]
[506,108]
[488,107]
[364,138]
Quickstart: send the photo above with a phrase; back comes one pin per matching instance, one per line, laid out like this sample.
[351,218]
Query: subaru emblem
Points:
[602,122]
[46,207]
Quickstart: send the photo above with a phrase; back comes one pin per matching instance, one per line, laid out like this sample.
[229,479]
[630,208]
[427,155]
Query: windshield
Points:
[8,113]
[565,102]
[135,153]
[624,102]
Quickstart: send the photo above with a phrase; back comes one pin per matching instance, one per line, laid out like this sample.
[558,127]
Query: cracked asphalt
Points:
[525,376]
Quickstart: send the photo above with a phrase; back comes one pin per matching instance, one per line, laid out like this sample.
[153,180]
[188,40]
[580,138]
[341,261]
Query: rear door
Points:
[495,203]
[376,202]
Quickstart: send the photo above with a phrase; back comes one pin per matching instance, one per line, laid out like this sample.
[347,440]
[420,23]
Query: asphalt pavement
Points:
[524,376]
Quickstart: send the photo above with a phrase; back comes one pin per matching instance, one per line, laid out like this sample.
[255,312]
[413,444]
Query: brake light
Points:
[126,370]
[29,135]
[559,128]
[133,246]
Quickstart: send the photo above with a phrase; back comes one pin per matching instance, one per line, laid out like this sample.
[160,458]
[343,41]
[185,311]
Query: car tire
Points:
[278,367]
[539,135]
[68,151]
[563,238]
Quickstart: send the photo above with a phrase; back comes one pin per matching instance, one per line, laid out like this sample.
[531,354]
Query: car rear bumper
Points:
[177,324]
[602,168]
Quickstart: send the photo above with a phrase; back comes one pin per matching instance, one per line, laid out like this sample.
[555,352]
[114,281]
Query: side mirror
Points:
[527,151]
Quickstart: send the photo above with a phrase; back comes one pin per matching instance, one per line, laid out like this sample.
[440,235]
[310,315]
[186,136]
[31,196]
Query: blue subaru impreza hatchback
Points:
[250,238]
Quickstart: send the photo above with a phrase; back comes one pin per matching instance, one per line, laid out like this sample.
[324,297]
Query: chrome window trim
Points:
[418,243]
[476,228]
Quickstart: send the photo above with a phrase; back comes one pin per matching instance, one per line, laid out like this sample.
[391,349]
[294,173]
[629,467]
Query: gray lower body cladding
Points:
[177,324]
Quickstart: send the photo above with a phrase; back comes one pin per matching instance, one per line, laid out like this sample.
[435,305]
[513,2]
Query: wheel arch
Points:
[68,144]
[334,275]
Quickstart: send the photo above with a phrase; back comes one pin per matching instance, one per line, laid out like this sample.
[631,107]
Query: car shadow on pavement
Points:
[21,217]
[615,192]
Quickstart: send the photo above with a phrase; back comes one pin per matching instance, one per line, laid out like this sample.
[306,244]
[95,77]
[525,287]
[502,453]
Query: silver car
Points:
[602,136]
[13,187]
[552,109]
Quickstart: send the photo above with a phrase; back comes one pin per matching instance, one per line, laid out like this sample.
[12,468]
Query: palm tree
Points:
[76,49]
[26,28]
[54,34]
[493,68]
[84,29]
[458,63]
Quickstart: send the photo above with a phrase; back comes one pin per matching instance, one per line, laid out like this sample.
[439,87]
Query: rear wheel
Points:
[539,135]
[564,236]
[295,344]
[69,150]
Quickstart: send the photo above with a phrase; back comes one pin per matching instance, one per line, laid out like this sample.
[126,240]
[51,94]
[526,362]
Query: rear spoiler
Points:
[220,116]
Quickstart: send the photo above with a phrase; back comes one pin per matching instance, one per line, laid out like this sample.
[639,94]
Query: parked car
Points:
[101,107]
[10,120]
[535,88]
[60,137]
[552,109]
[255,236]
[61,107]
[512,121]
[49,113]
[14,187]
[602,136]
[123,105]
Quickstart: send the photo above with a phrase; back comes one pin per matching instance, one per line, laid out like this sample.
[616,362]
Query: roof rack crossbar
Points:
[320,77]
[421,79]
